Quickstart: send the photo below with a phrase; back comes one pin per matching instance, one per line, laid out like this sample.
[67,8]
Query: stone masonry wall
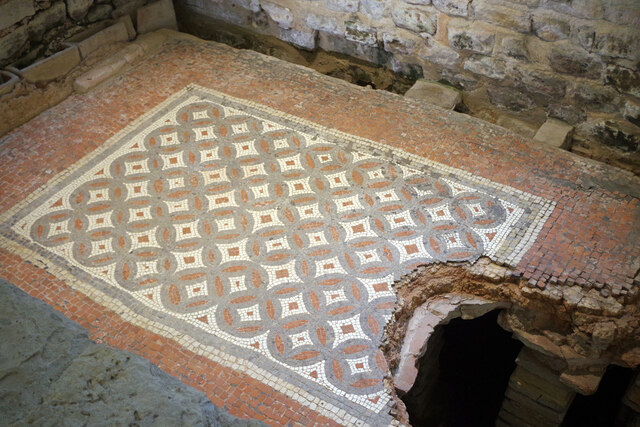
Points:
[517,61]
[30,29]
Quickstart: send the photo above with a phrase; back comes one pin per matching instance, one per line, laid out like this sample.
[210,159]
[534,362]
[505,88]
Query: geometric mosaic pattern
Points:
[279,238]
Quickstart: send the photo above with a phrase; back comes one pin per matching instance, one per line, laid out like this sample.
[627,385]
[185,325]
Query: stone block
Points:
[14,11]
[569,59]
[555,133]
[622,12]
[616,42]
[416,19]
[342,5]
[126,21]
[547,368]
[99,12]
[551,26]
[279,14]
[527,409]
[514,47]
[156,16]
[621,135]
[513,16]
[565,112]
[477,37]
[327,24]
[361,33]
[113,34]
[594,97]
[452,7]
[536,402]
[13,42]
[77,9]
[554,389]
[305,38]
[441,55]
[374,9]
[542,84]
[47,19]
[435,93]
[397,42]
[623,79]
[631,111]
[52,67]
[486,66]
[510,98]
[586,384]
[7,81]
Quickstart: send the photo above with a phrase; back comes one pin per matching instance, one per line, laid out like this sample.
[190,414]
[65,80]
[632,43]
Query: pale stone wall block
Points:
[452,7]
[568,59]
[435,93]
[505,14]
[551,26]
[281,15]
[305,38]
[416,19]
[477,37]
[397,42]
[328,24]
[555,133]
[78,9]
[358,32]
[486,66]
[374,9]
[342,5]
[99,12]
[514,46]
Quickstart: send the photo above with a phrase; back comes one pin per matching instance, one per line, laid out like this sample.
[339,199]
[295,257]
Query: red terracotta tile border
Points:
[238,393]
[590,239]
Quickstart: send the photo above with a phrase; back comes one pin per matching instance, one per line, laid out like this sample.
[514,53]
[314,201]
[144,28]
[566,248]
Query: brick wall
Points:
[576,60]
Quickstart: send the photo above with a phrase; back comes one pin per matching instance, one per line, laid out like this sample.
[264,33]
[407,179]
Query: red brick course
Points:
[590,239]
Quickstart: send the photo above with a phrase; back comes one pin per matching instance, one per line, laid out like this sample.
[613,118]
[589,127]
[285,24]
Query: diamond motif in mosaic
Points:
[279,238]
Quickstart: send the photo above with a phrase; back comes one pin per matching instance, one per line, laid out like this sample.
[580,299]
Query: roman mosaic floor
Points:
[243,227]
[248,239]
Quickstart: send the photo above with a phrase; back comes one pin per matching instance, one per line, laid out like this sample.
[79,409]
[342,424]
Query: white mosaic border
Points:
[290,390]
[214,354]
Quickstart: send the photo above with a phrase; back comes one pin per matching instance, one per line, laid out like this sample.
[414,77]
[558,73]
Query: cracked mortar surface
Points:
[592,227]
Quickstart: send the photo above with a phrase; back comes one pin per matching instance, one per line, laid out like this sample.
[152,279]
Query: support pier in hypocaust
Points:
[469,344]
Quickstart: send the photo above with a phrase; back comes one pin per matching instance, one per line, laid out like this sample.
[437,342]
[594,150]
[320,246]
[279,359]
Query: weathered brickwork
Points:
[576,61]
[585,248]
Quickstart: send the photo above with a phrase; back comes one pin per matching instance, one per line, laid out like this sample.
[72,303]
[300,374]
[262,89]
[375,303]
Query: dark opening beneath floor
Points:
[463,375]
[604,406]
